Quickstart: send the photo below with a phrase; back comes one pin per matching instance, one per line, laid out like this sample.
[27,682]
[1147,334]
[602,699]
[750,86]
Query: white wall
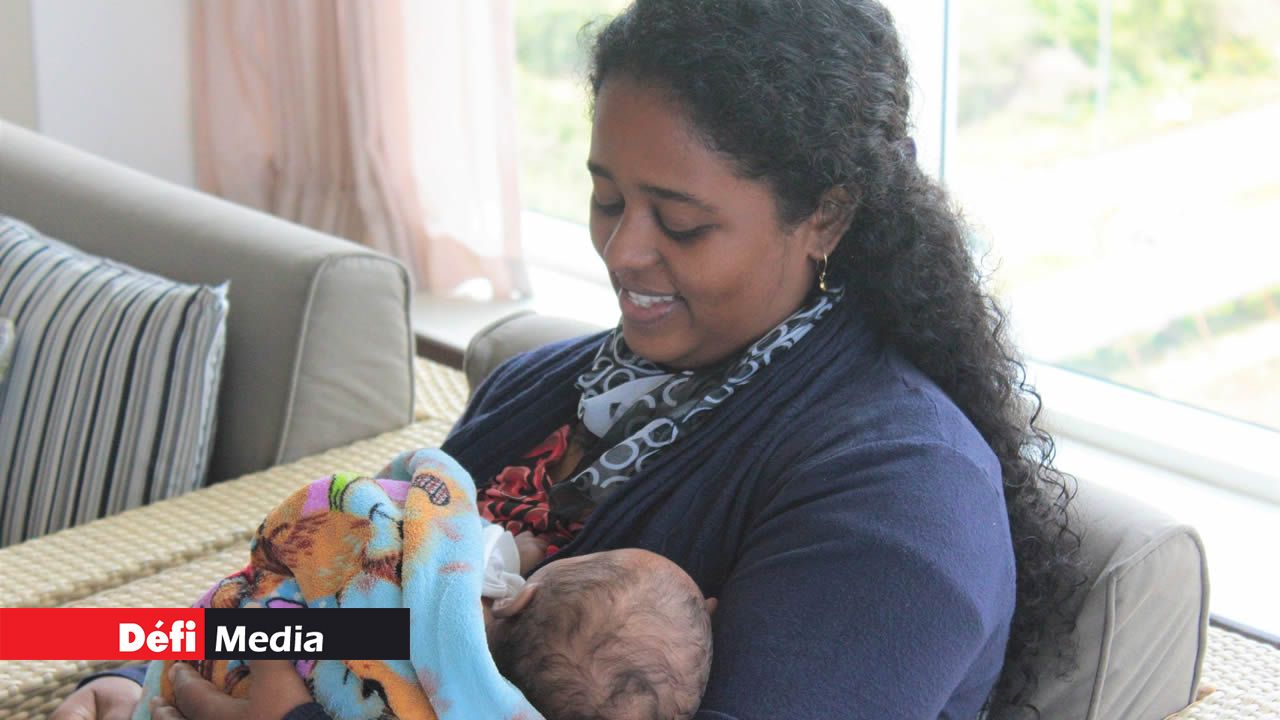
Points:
[17,73]
[111,77]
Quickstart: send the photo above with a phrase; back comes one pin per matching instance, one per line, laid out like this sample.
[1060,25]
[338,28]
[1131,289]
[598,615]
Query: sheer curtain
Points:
[390,123]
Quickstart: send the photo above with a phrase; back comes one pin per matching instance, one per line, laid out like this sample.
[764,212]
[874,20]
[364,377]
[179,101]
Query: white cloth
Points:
[502,563]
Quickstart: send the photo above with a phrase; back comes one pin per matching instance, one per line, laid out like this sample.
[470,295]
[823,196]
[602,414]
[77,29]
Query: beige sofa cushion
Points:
[319,345]
[516,333]
[1142,627]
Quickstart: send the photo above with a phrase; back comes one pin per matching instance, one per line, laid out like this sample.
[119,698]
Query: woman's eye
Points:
[611,209]
[682,236]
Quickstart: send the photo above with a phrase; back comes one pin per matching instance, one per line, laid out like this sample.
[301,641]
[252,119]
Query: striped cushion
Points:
[112,387]
[8,334]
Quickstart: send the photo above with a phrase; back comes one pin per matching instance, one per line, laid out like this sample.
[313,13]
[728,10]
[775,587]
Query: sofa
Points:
[319,346]
[319,378]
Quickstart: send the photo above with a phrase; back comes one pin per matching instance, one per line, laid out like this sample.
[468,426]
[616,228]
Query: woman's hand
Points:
[110,697]
[276,690]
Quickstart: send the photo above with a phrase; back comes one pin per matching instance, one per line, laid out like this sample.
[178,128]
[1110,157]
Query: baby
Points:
[618,634]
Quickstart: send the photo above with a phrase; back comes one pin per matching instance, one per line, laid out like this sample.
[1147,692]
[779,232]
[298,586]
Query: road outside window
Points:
[1118,160]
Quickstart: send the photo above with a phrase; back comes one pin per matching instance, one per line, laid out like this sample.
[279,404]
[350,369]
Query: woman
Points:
[810,403]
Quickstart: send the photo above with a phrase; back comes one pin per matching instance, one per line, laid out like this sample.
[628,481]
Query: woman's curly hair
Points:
[811,95]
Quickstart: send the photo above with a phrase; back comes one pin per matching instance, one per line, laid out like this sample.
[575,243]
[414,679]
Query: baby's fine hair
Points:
[604,640]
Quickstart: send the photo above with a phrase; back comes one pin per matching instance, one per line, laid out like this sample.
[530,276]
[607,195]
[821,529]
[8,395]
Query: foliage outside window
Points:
[553,103]
[1110,157]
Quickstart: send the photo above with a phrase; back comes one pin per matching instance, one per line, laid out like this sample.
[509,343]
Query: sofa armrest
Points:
[319,346]
[511,335]
[1142,624]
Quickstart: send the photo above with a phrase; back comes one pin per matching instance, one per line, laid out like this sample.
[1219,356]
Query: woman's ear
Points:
[830,221]
[510,607]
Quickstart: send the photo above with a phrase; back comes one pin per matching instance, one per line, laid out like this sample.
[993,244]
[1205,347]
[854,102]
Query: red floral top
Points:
[517,498]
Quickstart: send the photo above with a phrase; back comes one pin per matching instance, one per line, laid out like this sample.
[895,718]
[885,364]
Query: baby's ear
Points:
[711,604]
[510,607]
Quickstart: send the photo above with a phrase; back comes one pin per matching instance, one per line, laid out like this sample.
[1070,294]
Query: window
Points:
[1109,154]
[552,101]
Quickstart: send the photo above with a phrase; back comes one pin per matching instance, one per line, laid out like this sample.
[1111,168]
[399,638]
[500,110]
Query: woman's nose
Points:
[631,246]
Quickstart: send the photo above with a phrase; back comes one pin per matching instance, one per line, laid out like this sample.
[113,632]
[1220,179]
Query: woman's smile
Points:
[641,309]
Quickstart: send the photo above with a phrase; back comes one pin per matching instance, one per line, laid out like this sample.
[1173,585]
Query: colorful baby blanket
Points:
[338,543]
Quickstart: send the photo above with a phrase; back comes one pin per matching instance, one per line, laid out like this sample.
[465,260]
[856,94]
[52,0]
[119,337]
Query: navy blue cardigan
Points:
[846,514]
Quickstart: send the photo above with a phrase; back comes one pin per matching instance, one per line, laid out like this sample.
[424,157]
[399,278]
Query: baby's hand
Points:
[276,692]
[532,551]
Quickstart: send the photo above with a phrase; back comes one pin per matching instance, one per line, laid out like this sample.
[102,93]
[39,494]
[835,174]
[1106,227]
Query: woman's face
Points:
[696,254]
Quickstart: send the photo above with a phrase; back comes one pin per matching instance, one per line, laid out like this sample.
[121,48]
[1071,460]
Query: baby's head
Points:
[624,635]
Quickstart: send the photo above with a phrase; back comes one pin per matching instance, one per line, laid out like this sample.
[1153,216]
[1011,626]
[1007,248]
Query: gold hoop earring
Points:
[822,273]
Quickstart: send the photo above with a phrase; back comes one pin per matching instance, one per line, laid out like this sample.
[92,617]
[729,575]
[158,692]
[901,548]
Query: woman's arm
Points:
[876,584]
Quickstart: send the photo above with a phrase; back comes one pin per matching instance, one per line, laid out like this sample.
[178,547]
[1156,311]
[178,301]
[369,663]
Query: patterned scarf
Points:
[663,406]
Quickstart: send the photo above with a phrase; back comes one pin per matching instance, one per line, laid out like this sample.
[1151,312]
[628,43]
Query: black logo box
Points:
[346,633]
